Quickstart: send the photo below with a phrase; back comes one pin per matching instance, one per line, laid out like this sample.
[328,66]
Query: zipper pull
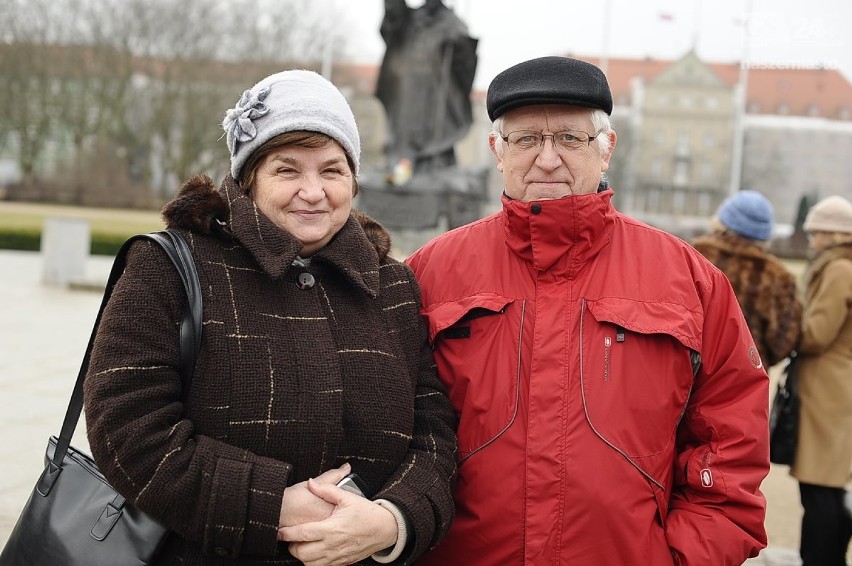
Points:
[619,334]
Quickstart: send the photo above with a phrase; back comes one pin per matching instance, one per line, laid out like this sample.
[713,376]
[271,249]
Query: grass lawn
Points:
[106,220]
[21,224]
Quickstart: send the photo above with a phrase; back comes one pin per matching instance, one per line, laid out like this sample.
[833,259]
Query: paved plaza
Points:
[43,336]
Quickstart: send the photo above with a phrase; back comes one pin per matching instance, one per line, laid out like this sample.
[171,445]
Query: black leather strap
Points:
[179,253]
[190,329]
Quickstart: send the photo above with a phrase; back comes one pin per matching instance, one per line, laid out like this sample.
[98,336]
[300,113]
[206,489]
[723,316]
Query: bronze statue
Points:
[425,82]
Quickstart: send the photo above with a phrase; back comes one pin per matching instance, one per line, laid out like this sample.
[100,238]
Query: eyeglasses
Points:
[524,140]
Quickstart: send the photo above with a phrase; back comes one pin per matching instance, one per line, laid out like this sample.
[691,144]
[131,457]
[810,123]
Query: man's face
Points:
[550,171]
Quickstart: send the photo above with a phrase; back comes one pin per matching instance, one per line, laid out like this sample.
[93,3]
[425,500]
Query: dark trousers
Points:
[826,526]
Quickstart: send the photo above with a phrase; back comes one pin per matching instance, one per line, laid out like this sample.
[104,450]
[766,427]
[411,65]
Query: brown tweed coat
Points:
[824,450]
[290,382]
[765,290]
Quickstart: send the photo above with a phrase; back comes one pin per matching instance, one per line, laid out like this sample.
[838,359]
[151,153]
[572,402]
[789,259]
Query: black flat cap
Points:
[548,80]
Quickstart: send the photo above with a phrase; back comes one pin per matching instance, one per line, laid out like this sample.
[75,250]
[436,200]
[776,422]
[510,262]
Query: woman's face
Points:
[818,241]
[306,192]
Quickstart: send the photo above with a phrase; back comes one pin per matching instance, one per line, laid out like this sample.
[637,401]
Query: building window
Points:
[813,110]
[704,204]
[686,101]
[783,108]
[712,102]
[678,202]
[709,140]
[682,149]
[681,176]
[657,168]
[653,202]
[707,172]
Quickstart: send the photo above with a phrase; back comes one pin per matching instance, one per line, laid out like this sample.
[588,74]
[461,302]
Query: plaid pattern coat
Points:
[292,380]
[765,289]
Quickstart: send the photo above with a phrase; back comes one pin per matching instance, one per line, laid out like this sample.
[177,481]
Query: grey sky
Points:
[786,33]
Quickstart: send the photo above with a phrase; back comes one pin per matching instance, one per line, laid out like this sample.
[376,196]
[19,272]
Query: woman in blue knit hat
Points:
[765,289]
[313,364]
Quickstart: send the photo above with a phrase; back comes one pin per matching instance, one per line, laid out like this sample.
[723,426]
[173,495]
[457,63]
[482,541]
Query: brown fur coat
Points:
[765,289]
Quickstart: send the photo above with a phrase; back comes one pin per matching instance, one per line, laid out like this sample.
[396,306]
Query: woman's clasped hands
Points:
[328,526]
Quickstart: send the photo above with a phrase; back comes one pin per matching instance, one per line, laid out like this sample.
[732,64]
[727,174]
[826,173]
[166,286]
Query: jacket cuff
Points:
[245,506]
[390,554]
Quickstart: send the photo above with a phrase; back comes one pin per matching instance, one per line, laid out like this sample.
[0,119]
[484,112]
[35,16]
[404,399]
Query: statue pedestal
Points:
[427,205]
[457,193]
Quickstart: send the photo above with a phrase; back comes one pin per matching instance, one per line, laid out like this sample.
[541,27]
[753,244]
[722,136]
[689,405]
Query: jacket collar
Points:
[573,229]
[349,251]
[826,256]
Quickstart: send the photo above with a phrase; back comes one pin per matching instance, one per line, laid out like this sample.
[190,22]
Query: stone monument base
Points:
[428,204]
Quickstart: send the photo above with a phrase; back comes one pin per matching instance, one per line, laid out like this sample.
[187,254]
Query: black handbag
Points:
[73,516]
[784,416]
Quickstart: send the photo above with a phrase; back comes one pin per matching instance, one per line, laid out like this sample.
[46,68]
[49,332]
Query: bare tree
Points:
[143,82]
[27,91]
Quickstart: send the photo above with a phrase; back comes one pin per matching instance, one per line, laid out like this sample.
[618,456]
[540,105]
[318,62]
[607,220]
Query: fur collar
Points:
[730,244]
[832,253]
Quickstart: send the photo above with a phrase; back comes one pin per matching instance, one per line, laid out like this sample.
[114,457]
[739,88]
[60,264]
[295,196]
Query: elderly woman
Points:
[824,452]
[314,360]
[765,289]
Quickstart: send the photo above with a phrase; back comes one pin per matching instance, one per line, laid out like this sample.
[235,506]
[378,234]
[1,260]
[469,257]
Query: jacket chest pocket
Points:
[637,372]
[477,350]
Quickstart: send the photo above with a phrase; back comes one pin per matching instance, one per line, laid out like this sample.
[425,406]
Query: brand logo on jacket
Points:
[754,357]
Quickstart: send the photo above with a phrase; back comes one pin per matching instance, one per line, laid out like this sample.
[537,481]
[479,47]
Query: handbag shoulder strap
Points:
[179,253]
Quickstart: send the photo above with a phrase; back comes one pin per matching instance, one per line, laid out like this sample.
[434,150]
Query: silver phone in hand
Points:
[353,484]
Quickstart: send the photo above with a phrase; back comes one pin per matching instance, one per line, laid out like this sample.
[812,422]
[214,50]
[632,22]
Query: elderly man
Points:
[613,406]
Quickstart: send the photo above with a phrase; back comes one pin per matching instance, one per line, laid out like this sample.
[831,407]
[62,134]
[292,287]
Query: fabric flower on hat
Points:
[238,122]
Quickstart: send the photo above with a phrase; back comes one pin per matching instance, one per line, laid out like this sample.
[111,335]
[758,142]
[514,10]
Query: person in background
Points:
[765,289]
[824,450]
[313,361]
[613,406]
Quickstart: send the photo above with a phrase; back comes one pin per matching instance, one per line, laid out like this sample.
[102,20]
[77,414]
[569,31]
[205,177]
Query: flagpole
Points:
[328,49]
[740,106]
[604,59]
[696,26]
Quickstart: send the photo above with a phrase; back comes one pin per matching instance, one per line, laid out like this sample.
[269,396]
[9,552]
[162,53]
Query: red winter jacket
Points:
[569,337]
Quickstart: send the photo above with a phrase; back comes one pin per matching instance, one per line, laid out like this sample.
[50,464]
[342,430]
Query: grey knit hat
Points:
[831,214]
[749,214]
[286,102]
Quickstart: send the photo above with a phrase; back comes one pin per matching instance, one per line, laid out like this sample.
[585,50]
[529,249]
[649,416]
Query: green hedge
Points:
[29,239]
